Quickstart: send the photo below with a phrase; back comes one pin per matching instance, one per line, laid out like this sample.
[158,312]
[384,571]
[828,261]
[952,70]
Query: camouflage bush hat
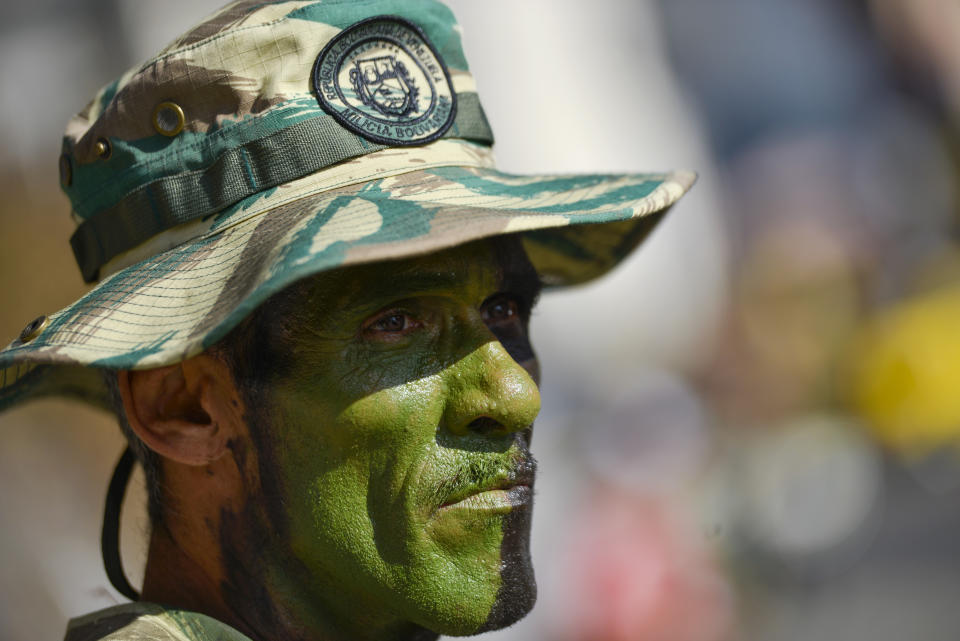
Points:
[279,139]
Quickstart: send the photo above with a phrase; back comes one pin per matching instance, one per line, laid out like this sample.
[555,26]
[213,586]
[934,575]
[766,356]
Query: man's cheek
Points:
[408,411]
[366,369]
[458,562]
[389,441]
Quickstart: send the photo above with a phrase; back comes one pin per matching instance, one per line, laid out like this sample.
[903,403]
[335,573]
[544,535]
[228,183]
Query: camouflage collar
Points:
[149,621]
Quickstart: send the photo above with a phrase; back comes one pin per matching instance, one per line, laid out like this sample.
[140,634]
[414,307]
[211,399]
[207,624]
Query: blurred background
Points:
[751,430]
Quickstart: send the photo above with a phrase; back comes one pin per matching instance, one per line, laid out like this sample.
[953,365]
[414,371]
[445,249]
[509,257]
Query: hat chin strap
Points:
[110,534]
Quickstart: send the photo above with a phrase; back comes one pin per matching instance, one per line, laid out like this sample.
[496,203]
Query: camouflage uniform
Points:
[149,622]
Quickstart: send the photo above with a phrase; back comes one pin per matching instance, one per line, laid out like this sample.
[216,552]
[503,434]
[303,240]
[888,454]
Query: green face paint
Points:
[397,437]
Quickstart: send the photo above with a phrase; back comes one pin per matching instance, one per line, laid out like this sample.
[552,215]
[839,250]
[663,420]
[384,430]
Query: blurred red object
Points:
[637,572]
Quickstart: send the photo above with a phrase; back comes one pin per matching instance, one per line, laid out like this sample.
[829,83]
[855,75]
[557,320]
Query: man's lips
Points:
[499,501]
[498,495]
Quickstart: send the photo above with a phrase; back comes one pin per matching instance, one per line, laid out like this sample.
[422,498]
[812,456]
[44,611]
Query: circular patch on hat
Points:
[382,79]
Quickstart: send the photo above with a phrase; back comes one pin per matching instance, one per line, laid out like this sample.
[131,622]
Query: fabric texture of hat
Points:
[276,140]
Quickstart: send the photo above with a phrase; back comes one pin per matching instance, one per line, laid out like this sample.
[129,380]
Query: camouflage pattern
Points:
[251,120]
[242,76]
[149,622]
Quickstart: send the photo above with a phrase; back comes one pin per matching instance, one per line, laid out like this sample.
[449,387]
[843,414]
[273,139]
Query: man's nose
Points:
[489,393]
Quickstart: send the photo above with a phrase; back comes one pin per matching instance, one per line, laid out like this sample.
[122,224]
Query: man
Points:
[311,319]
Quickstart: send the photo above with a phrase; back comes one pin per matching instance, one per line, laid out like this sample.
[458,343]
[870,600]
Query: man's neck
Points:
[173,578]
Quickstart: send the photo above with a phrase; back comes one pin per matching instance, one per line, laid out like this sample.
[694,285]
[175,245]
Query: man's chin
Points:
[514,601]
[512,605]
[514,597]
[518,588]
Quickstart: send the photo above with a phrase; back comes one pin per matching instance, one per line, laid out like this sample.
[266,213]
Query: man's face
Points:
[394,443]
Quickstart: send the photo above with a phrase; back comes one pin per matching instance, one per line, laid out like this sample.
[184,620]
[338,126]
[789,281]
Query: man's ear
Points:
[186,412]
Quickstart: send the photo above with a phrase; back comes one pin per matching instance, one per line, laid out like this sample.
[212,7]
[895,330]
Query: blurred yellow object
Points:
[906,374]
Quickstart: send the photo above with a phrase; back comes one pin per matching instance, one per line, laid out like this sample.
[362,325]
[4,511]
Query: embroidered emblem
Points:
[383,79]
[384,84]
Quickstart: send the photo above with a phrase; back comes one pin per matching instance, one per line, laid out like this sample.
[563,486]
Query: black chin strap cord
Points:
[110,534]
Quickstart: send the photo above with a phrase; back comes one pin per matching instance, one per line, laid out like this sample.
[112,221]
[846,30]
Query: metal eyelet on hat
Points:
[66,170]
[33,329]
[168,119]
[103,148]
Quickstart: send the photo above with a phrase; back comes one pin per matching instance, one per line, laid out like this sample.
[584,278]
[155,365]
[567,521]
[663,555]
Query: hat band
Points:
[242,171]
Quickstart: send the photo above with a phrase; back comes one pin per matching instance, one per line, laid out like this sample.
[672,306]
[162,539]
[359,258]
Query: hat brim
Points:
[175,304]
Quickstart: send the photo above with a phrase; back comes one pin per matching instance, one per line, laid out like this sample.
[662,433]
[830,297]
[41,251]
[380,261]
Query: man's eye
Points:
[391,323]
[501,309]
